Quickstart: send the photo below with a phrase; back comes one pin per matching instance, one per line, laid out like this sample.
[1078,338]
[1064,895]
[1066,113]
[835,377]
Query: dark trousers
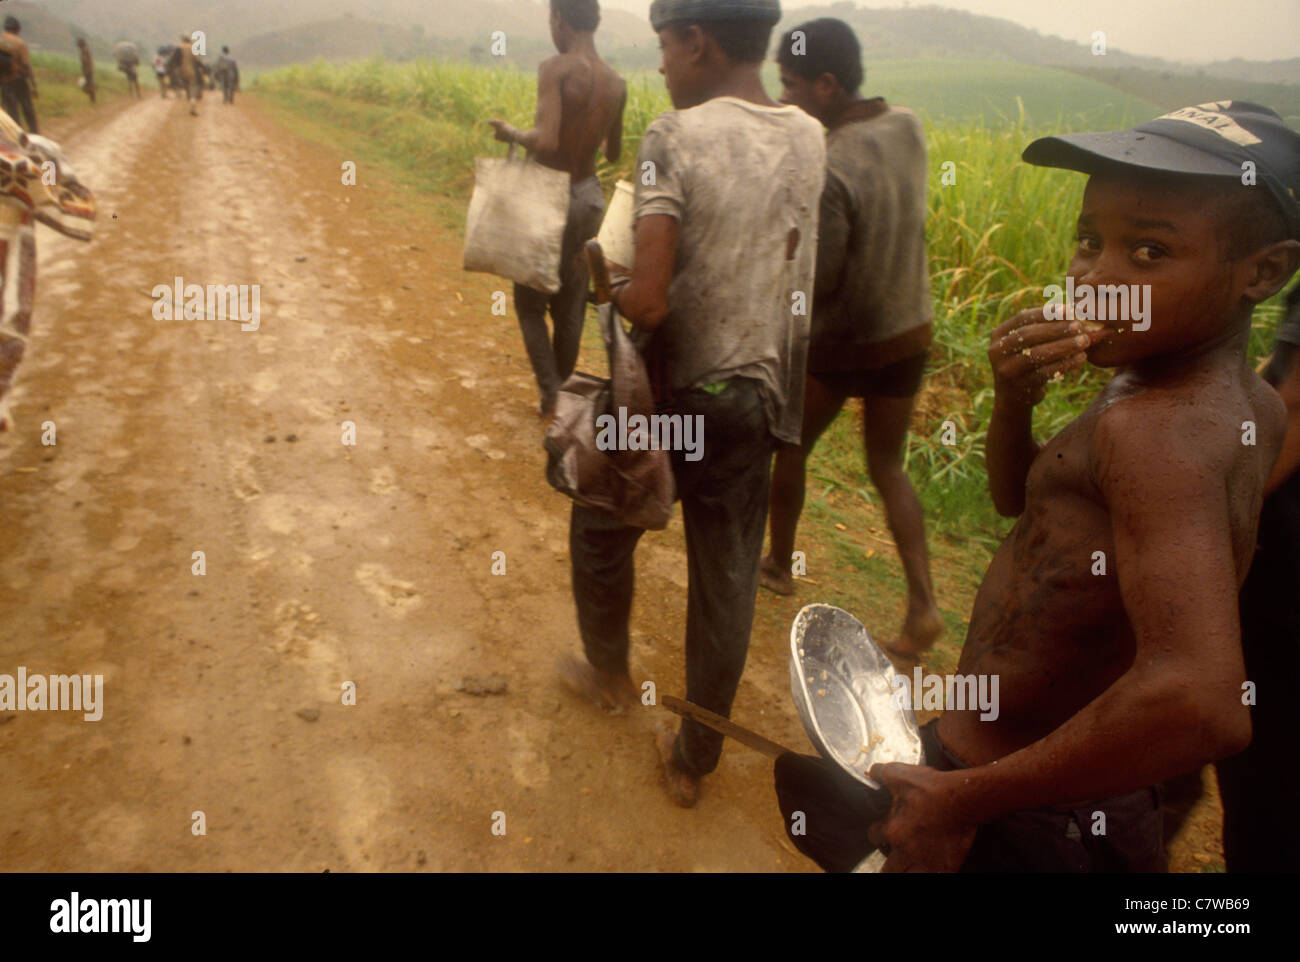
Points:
[1260,787]
[839,810]
[17,95]
[724,499]
[228,91]
[553,358]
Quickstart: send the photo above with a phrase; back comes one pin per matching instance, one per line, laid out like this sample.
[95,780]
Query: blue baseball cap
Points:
[1216,139]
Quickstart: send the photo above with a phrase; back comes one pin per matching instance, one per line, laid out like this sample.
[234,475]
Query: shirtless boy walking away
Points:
[871,316]
[1109,613]
[580,104]
[725,236]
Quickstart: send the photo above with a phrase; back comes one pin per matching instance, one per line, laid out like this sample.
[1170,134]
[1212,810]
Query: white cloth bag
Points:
[515,225]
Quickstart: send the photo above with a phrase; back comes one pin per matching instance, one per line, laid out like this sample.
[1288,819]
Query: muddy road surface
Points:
[325,563]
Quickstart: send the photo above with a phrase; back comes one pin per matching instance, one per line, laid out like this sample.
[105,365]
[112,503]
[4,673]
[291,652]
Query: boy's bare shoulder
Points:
[1208,424]
[557,65]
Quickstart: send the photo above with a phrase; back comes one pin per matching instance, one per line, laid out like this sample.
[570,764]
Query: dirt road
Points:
[326,563]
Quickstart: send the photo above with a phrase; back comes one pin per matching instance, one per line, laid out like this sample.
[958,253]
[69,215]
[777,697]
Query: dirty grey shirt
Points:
[873,284]
[739,178]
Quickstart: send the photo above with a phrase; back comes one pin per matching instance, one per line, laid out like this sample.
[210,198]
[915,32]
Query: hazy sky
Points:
[1190,30]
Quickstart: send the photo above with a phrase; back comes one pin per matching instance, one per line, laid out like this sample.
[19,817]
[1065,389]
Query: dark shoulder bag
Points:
[636,487]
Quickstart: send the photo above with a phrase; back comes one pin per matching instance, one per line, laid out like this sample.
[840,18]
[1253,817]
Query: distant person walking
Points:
[160,69]
[87,68]
[128,61]
[227,75]
[186,66]
[871,312]
[18,86]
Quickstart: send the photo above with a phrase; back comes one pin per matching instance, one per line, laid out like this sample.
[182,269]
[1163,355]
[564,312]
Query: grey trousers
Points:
[724,505]
[553,357]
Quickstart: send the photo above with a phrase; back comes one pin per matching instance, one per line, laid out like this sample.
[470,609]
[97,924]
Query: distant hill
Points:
[274,32]
[1170,90]
[934,32]
[1257,71]
[44,31]
[48,33]
[236,21]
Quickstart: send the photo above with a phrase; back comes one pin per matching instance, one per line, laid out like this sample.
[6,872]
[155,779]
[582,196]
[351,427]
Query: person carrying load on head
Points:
[128,61]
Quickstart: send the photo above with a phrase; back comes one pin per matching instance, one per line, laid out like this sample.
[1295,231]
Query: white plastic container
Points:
[616,230]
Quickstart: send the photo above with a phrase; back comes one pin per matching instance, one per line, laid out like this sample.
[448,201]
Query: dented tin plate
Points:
[844,689]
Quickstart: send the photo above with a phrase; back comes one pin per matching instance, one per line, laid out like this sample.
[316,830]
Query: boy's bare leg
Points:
[885,424]
[820,408]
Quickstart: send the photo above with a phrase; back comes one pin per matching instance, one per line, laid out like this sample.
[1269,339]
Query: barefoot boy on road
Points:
[871,319]
[1110,611]
[580,104]
[725,236]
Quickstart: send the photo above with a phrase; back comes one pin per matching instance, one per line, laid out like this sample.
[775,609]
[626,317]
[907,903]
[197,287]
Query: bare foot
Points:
[774,577]
[919,633]
[613,693]
[683,789]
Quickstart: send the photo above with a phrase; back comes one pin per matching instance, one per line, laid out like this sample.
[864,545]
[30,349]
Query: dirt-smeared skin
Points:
[1046,621]
[325,563]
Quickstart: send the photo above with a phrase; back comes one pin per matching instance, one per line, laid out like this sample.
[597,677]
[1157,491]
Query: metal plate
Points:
[843,687]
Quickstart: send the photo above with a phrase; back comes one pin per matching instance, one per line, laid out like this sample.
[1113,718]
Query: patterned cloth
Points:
[29,192]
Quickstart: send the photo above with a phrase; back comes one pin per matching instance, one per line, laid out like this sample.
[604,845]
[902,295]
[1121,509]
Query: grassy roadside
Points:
[56,83]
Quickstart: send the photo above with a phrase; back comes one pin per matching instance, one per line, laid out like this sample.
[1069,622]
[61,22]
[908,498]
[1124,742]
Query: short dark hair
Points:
[743,41]
[12,24]
[1249,216]
[830,46]
[581,15]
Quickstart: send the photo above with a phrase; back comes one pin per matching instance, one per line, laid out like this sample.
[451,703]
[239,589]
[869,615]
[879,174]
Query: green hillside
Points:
[1172,90]
[964,90]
